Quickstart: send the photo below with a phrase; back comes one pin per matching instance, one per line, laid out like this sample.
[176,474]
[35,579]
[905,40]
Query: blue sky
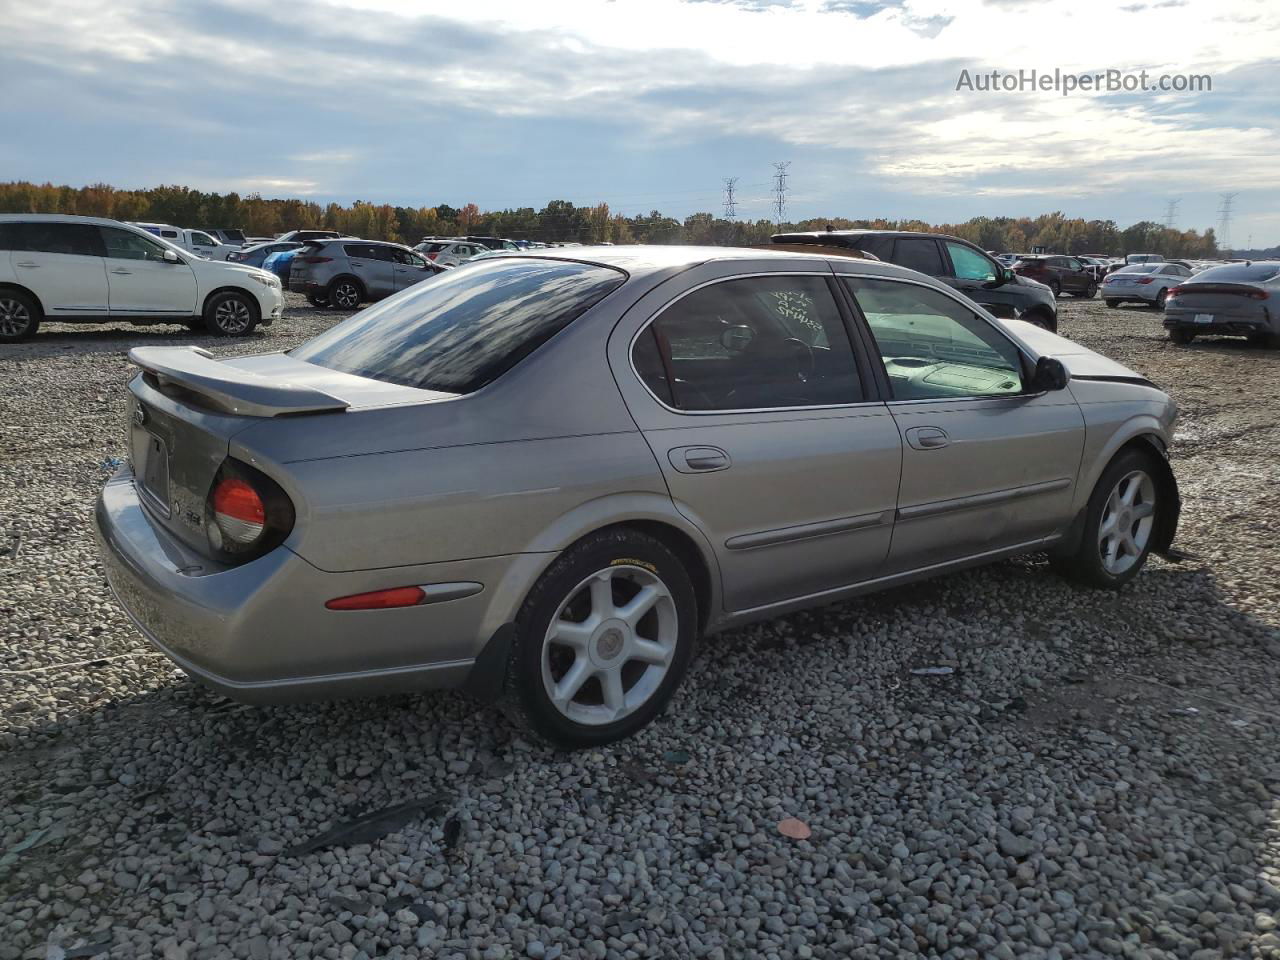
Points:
[649,104]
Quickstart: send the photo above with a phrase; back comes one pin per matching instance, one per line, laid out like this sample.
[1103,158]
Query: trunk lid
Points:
[186,406]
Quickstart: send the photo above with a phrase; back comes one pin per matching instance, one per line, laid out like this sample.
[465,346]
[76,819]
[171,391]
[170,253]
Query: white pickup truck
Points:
[197,241]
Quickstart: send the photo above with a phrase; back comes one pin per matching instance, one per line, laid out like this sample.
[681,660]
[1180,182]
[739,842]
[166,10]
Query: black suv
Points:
[955,262]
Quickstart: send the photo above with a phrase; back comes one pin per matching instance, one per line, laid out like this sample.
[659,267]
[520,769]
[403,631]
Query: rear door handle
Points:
[927,438]
[699,459]
[120,271]
[28,264]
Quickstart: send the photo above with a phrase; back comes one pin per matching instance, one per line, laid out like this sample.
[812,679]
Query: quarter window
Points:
[758,342]
[202,239]
[969,264]
[932,346]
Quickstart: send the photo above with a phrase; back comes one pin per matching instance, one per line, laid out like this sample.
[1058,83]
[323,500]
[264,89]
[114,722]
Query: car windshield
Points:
[1240,273]
[465,328]
[1141,268]
[431,247]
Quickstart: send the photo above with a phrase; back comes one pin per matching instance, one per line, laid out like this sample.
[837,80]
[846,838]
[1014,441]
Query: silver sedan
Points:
[1146,283]
[543,477]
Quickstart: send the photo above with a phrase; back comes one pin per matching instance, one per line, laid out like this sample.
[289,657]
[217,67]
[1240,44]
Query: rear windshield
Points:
[464,328]
[431,247]
[1141,268]
[1240,273]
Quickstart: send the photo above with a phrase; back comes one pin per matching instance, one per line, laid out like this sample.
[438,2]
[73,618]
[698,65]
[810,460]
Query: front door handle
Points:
[927,438]
[120,271]
[699,459]
[28,264]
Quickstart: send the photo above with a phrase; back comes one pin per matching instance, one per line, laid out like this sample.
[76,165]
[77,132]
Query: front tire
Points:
[1265,340]
[602,640]
[231,314]
[1090,292]
[1113,304]
[1161,297]
[344,294]
[1056,287]
[19,316]
[1119,525]
[1181,335]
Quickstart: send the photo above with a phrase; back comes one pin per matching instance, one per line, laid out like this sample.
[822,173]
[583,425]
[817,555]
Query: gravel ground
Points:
[1098,777]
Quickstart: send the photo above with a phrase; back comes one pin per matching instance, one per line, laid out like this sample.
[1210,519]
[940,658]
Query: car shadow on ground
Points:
[1111,667]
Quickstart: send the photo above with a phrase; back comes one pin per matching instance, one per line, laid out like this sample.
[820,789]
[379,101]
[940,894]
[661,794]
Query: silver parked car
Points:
[544,478]
[1147,283]
[345,273]
[1235,299]
[449,253]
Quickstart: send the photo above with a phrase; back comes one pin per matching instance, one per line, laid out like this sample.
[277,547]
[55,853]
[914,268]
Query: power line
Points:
[1224,220]
[1171,212]
[780,190]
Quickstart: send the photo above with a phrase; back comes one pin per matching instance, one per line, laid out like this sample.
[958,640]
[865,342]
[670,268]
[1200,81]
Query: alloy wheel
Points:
[1127,521]
[610,645]
[346,296]
[232,316]
[14,317]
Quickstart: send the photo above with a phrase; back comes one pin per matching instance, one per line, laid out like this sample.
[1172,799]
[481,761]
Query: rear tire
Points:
[20,316]
[1161,297]
[1120,522]
[1042,320]
[231,314]
[1266,341]
[1113,304]
[317,301]
[344,293]
[1181,335]
[1056,287]
[614,672]
[1090,291]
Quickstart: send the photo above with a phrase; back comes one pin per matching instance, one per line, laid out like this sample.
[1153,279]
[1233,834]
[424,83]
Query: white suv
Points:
[449,253]
[87,269]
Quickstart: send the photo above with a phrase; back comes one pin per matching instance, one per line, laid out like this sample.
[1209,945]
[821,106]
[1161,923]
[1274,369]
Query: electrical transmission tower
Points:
[780,190]
[1171,212]
[730,204]
[1224,220]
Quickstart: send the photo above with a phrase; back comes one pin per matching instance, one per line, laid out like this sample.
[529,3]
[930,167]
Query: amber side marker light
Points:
[379,599]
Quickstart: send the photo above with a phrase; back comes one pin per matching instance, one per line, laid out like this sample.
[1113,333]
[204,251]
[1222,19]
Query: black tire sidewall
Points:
[1087,563]
[211,313]
[34,314]
[524,672]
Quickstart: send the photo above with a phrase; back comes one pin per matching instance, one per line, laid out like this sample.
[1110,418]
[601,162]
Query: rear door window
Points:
[748,344]
[919,253]
[361,251]
[879,247]
[79,239]
[465,328]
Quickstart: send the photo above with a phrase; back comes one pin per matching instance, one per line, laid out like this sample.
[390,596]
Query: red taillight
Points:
[1146,279]
[233,256]
[432,256]
[315,259]
[379,599]
[238,510]
[1174,291]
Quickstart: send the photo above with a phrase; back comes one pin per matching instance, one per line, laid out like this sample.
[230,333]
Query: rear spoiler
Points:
[228,388]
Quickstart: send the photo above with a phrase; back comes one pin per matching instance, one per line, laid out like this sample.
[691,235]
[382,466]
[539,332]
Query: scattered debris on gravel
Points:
[1092,774]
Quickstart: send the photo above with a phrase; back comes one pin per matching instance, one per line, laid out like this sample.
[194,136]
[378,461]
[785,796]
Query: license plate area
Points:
[155,471]
[1203,318]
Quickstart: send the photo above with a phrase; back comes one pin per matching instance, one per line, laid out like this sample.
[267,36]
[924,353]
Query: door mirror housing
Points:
[171,257]
[1050,375]
[735,339]
[1003,275]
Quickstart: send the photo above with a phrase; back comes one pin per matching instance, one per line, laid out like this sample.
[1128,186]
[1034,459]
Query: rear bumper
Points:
[1136,293]
[260,632]
[1232,323]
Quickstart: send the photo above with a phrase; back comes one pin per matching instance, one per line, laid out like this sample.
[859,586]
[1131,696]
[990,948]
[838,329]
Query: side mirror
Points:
[1050,375]
[1003,275]
[735,338]
[170,257]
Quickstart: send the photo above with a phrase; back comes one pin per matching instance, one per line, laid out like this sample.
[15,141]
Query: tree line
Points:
[562,221]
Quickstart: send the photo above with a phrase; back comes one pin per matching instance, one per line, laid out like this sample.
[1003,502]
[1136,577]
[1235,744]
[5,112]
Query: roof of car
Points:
[71,218]
[639,260]
[819,236]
